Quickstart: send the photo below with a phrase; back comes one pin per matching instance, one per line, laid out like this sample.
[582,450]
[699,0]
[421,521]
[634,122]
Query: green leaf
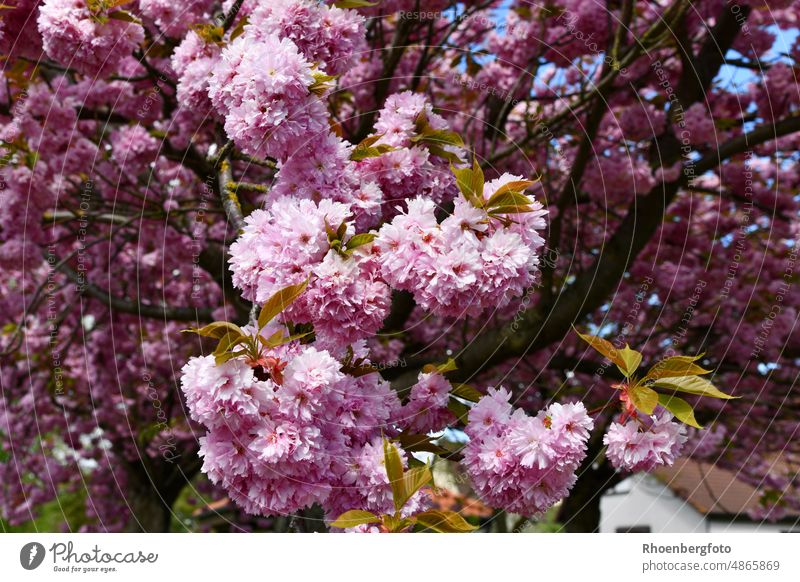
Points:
[419,443]
[367,148]
[439,151]
[394,470]
[681,409]
[355,517]
[448,366]
[439,136]
[124,16]
[643,398]
[460,409]
[470,182]
[515,186]
[220,359]
[421,123]
[414,480]
[359,240]
[217,330]
[511,189]
[210,33]
[500,210]
[238,30]
[321,83]
[466,392]
[354,4]
[280,301]
[278,339]
[513,199]
[360,154]
[676,366]
[444,521]
[228,341]
[97,6]
[395,524]
[370,140]
[604,347]
[341,231]
[631,360]
[31,159]
[272,340]
[692,385]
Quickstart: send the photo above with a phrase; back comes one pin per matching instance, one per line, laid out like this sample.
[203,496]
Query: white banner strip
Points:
[385,557]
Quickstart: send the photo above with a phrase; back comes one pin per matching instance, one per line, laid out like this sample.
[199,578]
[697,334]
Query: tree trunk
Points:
[580,511]
[150,511]
[152,488]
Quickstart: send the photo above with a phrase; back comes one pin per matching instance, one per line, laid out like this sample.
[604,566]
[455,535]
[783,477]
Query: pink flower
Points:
[193,61]
[524,464]
[491,413]
[175,18]
[532,440]
[75,38]
[427,410]
[279,448]
[324,34]
[633,448]
[469,263]
[261,87]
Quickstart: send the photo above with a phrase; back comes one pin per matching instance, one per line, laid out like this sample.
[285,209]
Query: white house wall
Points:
[642,500]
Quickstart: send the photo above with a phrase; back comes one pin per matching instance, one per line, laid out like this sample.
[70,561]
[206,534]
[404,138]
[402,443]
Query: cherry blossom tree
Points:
[292,255]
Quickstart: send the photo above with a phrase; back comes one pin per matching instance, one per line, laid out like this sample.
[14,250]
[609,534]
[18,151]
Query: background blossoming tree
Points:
[383,220]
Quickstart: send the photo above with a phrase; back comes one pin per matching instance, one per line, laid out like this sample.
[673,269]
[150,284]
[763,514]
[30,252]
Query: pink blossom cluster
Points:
[18,33]
[396,121]
[615,178]
[345,302]
[522,463]
[641,121]
[365,484]
[410,169]
[643,446]
[706,443]
[781,94]
[92,44]
[326,35]
[133,149]
[297,432]
[323,170]
[426,410]
[261,88]
[287,244]
[469,263]
[193,61]
[175,18]
[699,123]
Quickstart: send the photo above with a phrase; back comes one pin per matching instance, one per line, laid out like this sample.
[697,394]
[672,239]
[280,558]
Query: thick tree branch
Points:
[135,307]
[550,321]
[222,185]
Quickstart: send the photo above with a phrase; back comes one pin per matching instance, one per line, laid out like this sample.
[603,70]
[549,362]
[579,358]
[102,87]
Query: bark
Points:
[149,512]
[151,490]
[580,511]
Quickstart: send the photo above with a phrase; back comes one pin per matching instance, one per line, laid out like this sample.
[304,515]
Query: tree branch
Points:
[550,321]
[135,307]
